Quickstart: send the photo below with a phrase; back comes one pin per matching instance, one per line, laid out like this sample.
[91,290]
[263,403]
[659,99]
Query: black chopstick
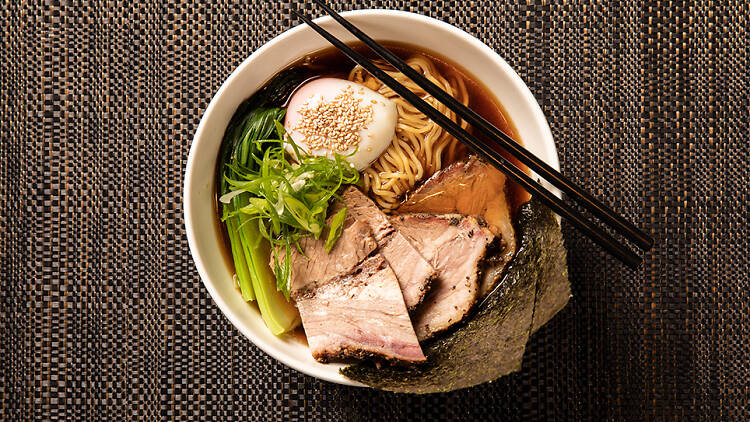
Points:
[575,192]
[599,236]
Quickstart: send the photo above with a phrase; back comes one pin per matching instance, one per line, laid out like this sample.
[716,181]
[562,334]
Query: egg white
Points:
[375,136]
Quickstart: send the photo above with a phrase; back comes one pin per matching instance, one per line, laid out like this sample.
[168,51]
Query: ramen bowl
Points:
[203,230]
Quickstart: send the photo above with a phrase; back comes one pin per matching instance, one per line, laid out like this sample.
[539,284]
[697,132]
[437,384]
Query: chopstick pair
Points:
[578,194]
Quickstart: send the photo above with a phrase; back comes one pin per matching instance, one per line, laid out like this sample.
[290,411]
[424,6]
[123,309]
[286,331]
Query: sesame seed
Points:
[334,125]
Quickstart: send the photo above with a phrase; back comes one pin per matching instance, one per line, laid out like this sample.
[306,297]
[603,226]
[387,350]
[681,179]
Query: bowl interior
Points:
[204,235]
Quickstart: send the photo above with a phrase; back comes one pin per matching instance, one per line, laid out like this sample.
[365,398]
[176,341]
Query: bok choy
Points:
[249,250]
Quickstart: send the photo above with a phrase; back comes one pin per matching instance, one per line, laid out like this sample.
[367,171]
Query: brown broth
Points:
[331,62]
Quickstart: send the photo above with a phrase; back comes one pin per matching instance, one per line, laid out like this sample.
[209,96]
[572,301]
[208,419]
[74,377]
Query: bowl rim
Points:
[548,145]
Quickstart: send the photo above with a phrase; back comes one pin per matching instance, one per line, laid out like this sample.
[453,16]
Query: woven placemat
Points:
[103,315]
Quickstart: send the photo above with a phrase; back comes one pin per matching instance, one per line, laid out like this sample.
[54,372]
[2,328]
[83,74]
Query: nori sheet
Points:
[552,290]
[491,344]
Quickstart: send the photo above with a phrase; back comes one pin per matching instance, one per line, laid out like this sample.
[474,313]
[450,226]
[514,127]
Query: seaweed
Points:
[553,290]
[492,343]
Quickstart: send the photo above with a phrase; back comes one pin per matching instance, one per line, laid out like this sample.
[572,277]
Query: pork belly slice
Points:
[455,245]
[352,247]
[413,272]
[472,187]
[360,315]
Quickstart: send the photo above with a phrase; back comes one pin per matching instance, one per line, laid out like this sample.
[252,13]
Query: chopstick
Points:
[574,217]
[554,177]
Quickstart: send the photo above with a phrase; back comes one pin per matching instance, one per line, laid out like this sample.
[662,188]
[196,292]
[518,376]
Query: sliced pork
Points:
[352,247]
[413,272]
[350,300]
[455,245]
[361,315]
[472,187]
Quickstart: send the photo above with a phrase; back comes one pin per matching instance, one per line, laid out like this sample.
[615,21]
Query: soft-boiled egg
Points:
[329,115]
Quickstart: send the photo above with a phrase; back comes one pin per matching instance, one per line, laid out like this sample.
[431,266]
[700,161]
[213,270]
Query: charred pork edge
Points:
[344,352]
[425,291]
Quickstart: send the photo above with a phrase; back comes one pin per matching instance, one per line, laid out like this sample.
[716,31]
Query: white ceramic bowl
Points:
[385,25]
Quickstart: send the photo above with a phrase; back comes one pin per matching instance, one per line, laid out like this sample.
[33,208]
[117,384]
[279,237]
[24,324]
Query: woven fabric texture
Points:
[103,315]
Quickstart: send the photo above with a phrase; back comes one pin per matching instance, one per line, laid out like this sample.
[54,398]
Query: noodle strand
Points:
[420,146]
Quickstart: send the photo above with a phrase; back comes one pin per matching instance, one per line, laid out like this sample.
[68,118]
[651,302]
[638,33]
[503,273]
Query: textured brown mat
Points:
[102,314]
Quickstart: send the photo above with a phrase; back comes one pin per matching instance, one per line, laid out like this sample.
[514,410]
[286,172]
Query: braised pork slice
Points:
[360,315]
[472,187]
[413,272]
[354,245]
[350,300]
[455,245]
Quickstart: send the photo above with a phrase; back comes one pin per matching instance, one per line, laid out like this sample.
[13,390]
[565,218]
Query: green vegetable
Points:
[288,199]
[250,251]
[492,343]
[337,226]
[253,121]
[241,152]
[278,313]
[238,255]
